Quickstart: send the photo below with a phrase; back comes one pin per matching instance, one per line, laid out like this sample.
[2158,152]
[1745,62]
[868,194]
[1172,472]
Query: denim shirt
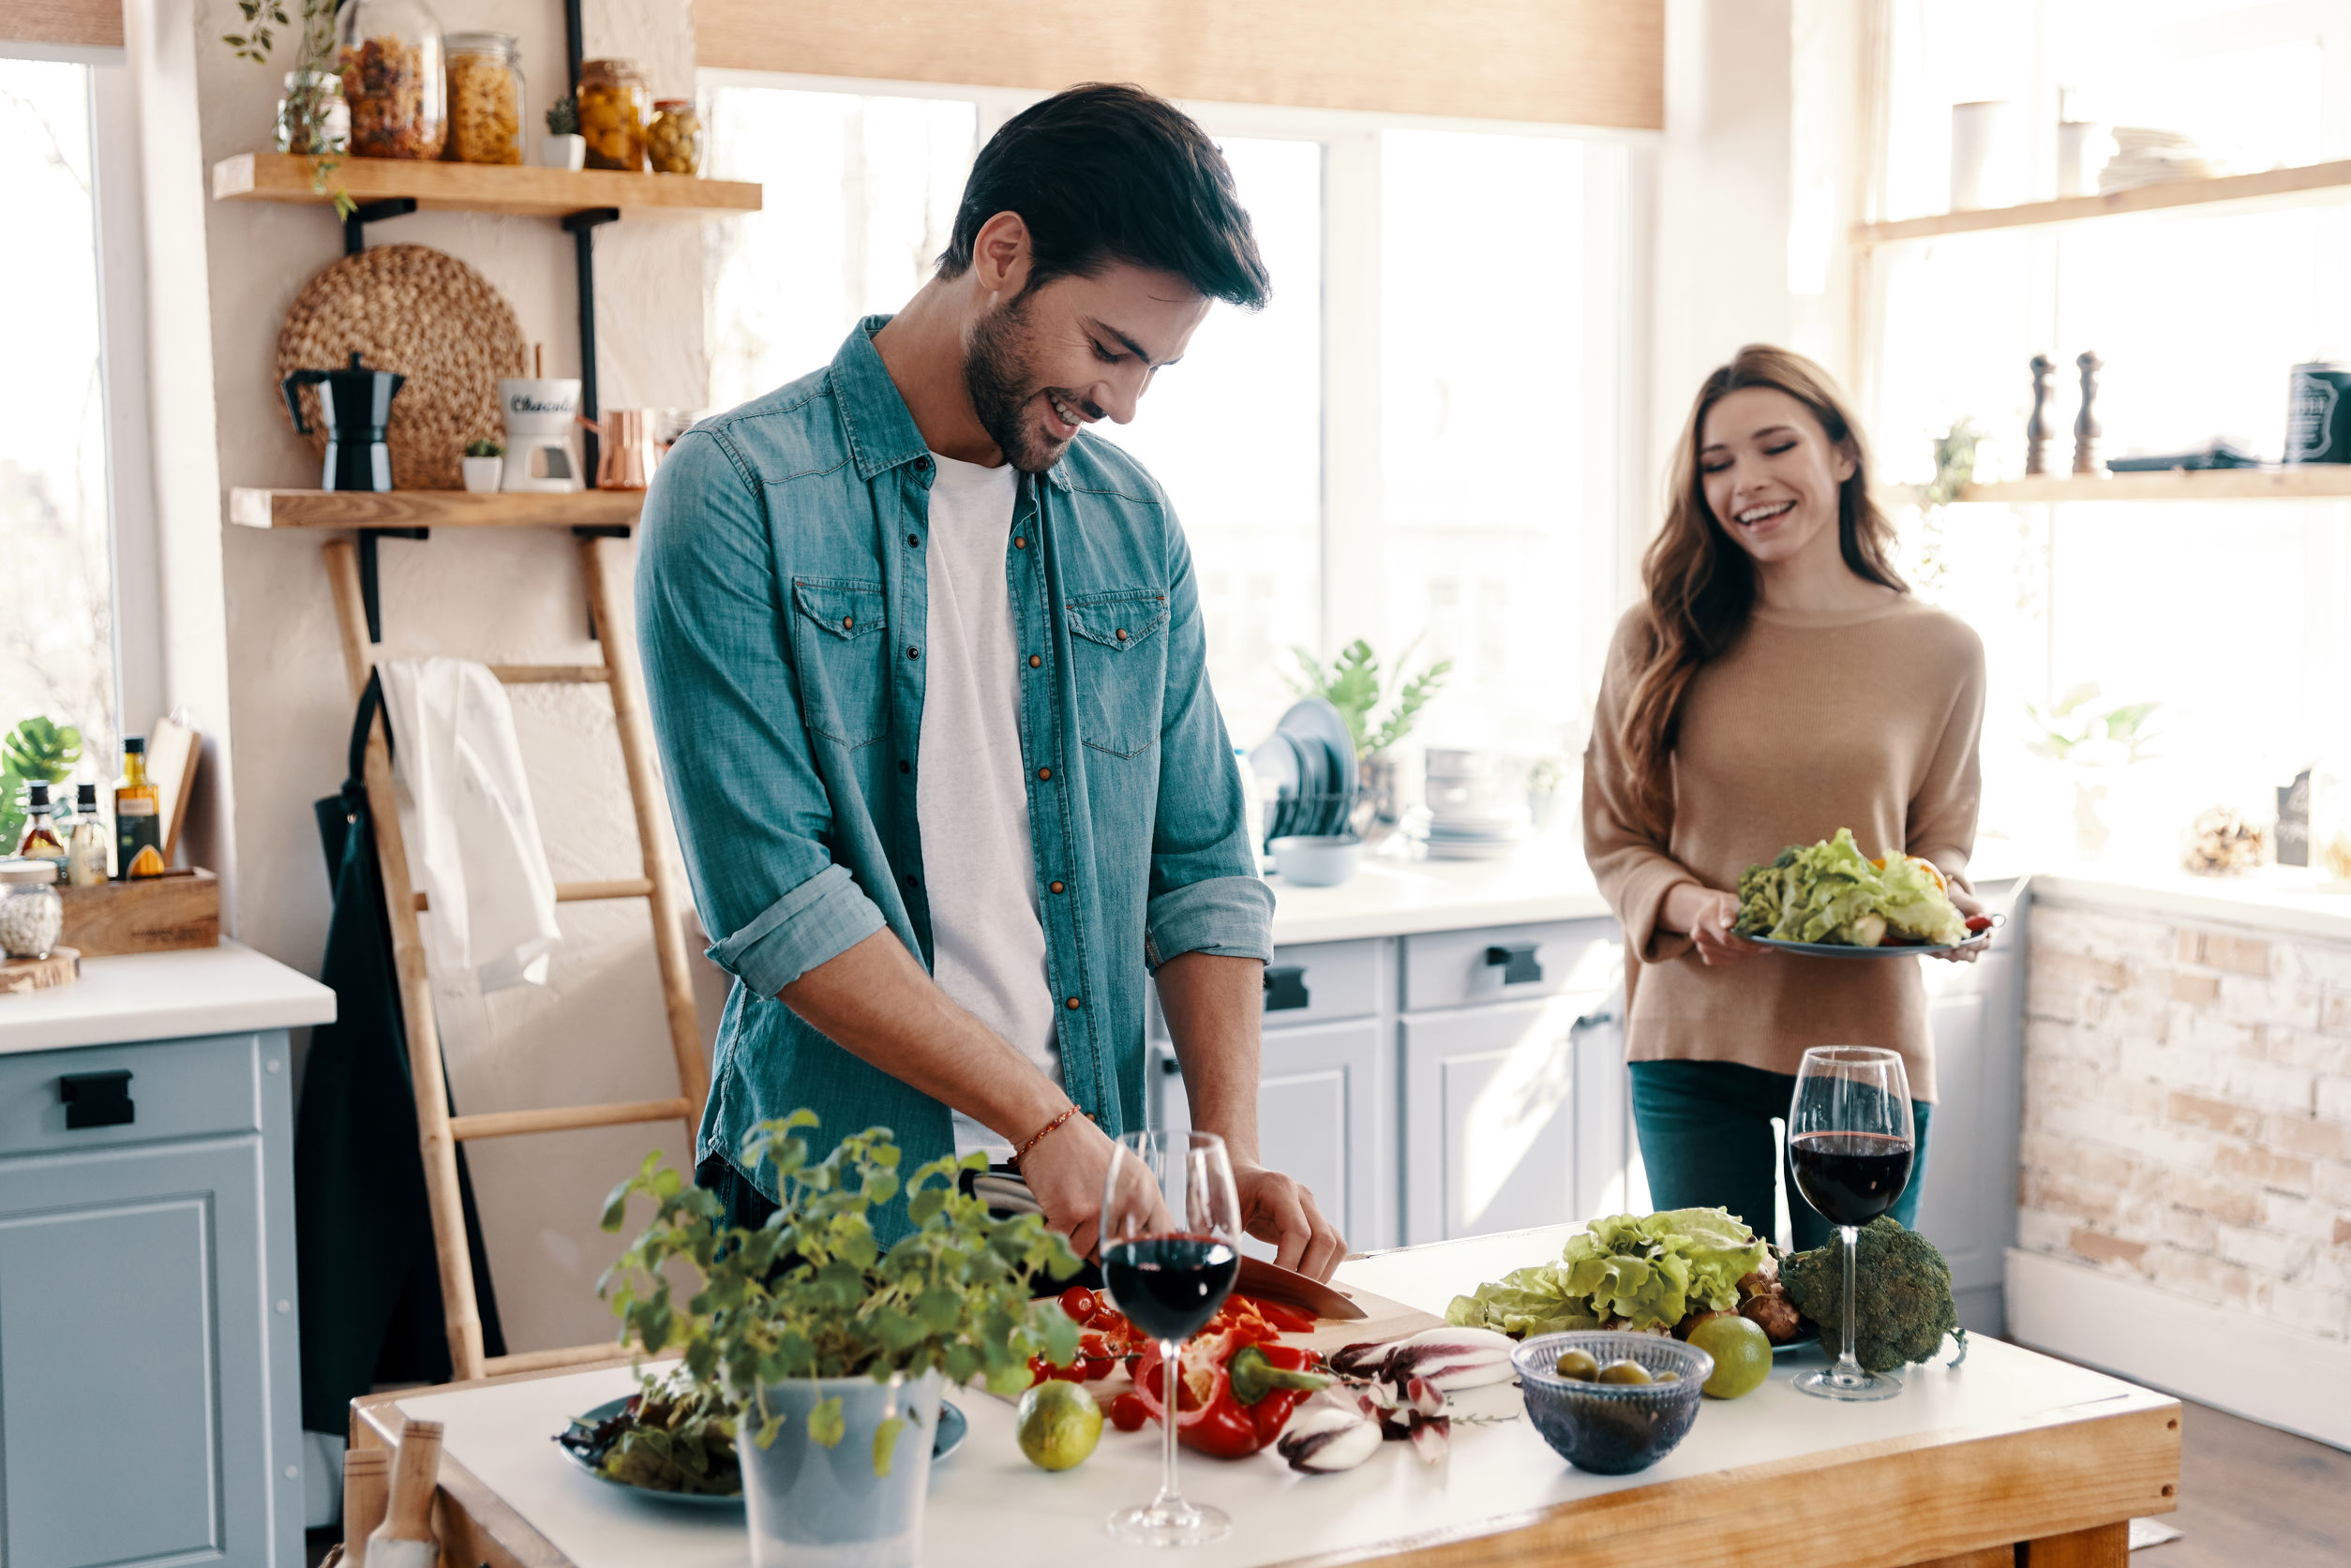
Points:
[781,598]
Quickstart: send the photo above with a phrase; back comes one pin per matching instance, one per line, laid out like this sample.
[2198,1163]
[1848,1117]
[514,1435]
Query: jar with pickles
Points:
[613,105]
[393,78]
[484,98]
[674,142]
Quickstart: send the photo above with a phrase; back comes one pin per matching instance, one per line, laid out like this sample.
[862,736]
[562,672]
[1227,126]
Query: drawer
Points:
[1314,982]
[177,1089]
[1505,963]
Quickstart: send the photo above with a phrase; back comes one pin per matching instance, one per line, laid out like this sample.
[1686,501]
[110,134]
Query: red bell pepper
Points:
[1235,1399]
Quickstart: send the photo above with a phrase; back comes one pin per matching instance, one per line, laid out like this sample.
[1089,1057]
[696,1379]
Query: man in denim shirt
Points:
[928,673]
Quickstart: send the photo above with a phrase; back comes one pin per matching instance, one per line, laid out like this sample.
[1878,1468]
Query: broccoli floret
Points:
[1901,1294]
[1788,857]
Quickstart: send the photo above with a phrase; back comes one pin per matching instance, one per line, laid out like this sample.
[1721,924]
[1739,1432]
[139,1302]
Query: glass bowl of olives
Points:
[1611,1403]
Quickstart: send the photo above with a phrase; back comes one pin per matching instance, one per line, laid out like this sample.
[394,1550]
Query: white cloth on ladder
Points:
[473,845]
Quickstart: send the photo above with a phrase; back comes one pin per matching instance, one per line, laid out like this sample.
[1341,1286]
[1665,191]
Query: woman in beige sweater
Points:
[1776,682]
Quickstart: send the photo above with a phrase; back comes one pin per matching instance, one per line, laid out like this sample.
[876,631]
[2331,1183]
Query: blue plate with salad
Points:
[1829,899]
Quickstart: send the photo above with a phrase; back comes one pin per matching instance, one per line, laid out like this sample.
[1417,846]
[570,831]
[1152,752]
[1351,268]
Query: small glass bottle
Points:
[613,104]
[484,98]
[86,846]
[40,839]
[674,143]
[313,117]
[394,78]
[138,817]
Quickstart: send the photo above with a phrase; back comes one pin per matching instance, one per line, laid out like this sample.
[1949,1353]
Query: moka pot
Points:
[355,405]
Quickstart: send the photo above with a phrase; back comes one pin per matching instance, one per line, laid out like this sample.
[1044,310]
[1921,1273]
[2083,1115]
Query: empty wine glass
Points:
[1850,1145]
[1171,1229]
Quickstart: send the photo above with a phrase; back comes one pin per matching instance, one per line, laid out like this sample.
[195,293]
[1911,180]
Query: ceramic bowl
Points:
[1611,1428]
[1316,860]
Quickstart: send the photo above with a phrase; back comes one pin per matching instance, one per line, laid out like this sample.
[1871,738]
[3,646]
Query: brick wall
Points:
[2187,1110]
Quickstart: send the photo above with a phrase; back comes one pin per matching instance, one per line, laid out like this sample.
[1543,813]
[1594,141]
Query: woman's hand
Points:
[1707,915]
[1966,952]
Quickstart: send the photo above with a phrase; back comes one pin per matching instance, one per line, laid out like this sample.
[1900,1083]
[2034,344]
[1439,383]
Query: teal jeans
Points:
[1705,1130]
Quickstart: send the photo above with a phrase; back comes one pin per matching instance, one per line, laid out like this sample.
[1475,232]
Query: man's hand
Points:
[1065,1174]
[1274,1208]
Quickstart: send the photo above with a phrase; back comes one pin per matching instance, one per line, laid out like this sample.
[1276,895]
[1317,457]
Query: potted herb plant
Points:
[832,1348]
[562,146]
[484,462]
[1352,685]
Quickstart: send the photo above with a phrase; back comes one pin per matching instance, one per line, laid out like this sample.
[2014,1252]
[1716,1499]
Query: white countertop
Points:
[1393,895]
[149,996]
[987,1506]
[2275,898]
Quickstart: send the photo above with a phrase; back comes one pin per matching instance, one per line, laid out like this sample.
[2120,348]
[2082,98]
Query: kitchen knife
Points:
[1004,1192]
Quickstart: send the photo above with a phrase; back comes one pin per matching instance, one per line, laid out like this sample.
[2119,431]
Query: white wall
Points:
[595,1031]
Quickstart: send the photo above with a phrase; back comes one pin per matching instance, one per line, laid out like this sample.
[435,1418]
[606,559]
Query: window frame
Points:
[1619,195]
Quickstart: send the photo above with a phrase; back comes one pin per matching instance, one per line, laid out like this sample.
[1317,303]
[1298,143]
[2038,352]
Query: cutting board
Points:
[61,967]
[1384,1319]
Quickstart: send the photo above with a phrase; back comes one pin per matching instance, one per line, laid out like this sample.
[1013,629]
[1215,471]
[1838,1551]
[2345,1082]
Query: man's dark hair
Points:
[1107,173]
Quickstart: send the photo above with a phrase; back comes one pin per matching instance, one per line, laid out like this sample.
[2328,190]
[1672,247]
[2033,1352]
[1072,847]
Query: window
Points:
[2235,616]
[1404,445]
[57,601]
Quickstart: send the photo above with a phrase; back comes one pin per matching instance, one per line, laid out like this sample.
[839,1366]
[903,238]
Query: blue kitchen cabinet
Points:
[149,1400]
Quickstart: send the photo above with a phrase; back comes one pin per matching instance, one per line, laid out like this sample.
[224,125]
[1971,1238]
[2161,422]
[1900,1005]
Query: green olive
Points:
[1669,1377]
[1579,1365]
[1625,1371]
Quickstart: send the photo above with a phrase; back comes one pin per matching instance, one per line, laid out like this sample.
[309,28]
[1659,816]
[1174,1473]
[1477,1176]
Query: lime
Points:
[1058,1425]
[1742,1353]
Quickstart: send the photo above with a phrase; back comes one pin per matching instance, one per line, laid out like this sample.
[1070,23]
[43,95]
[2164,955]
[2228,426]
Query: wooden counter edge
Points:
[1917,1499]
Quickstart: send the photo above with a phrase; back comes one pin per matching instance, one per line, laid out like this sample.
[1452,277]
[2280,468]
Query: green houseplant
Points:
[1352,685]
[828,1345]
[39,750]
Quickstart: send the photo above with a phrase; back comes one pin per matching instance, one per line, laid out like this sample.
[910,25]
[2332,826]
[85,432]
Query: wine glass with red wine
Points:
[1171,1246]
[1850,1145]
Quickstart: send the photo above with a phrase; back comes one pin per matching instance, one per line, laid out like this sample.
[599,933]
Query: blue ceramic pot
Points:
[815,1507]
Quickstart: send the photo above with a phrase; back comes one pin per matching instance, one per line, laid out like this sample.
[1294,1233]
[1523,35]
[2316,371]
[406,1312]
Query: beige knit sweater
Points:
[1866,720]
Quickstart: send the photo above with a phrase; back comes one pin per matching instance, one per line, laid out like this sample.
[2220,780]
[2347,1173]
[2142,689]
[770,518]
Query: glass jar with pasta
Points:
[484,98]
[674,142]
[390,59]
[613,102]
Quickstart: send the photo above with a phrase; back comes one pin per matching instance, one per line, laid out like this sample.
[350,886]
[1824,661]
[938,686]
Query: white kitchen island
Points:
[2010,1446]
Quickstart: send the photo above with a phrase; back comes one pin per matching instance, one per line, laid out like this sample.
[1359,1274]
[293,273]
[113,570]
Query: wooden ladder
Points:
[438,1132]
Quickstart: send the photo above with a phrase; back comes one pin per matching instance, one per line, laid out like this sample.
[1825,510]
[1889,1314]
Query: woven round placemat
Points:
[427,315]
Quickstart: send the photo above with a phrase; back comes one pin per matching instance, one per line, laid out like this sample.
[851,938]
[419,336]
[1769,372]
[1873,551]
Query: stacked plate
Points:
[1461,821]
[1473,836]
[1308,768]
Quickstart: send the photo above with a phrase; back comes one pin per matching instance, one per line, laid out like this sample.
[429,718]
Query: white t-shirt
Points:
[971,799]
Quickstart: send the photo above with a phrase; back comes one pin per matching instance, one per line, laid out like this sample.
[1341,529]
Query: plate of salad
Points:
[1831,901]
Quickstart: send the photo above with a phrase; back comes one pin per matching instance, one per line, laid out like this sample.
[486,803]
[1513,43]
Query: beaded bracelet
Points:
[1022,1153]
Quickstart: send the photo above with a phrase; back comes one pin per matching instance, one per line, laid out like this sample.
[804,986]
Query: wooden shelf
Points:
[2271,183]
[2314,482]
[483,188]
[253,508]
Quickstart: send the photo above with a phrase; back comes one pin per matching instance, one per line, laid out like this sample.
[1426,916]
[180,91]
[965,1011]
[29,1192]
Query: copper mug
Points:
[625,453]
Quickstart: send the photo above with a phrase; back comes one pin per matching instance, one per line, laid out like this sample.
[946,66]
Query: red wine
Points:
[1169,1286]
[1851,1177]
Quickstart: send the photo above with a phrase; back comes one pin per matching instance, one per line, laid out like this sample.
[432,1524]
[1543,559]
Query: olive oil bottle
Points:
[138,817]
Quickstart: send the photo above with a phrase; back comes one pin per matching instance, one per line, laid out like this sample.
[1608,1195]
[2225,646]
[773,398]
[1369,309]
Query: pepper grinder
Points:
[2086,426]
[405,1539]
[2037,428]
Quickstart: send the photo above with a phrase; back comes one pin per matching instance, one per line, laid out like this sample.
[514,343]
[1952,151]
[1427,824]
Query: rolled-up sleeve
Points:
[1206,896]
[751,814]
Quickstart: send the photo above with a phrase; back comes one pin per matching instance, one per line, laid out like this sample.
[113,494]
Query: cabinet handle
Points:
[1516,962]
[1591,1021]
[1286,986]
[97,1098]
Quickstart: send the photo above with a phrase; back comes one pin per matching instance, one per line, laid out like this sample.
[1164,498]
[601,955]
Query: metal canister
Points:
[2318,413]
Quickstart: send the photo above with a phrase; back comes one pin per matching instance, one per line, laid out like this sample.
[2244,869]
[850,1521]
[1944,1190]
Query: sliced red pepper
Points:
[1235,1392]
[1281,1315]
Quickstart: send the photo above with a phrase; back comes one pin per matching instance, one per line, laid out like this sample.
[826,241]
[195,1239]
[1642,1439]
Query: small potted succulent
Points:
[484,463]
[832,1346]
[562,146]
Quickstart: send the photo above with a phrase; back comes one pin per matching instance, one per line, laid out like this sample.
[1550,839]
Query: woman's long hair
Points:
[1701,583]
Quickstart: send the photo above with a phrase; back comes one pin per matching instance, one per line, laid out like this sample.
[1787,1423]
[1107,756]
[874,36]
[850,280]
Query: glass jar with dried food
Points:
[674,142]
[612,112]
[313,117]
[32,916]
[393,78]
[484,98]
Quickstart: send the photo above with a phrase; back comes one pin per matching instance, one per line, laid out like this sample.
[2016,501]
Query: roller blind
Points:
[95,23]
[1568,62]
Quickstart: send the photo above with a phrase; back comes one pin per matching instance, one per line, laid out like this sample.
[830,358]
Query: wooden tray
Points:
[63,966]
[152,915]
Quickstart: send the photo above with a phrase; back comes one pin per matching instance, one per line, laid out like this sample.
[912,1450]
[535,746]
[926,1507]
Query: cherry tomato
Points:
[1127,1412]
[1979,922]
[1080,1302]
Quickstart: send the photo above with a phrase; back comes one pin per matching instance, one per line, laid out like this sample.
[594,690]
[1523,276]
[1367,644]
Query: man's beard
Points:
[996,374]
